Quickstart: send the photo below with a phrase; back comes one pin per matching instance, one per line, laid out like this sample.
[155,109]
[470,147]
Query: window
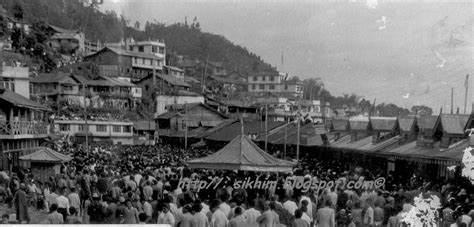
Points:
[130,48]
[146,87]
[261,87]
[8,84]
[127,129]
[63,127]
[263,78]
[272,87]
[136,60]
[162,50]
[117,128]
[253,86]
[255,78]
[82,128]
[101,128]
[286,87]
[154,49]
[141,49]
[272,78]
[143,60]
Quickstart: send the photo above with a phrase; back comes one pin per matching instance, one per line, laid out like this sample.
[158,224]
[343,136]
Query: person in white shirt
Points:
[251,214]
[309,212]
[63,203]
[218,218]
[224,207]
[304,216]
[166,217]
[369,213]
[74,201]
[290,205]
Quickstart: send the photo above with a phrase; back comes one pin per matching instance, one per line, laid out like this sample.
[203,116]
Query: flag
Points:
[466,83]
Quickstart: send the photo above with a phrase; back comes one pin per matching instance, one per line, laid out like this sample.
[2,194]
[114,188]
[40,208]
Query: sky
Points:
[402,52]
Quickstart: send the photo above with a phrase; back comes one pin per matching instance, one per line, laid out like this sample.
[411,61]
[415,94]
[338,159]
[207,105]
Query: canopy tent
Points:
[242,154]
[46,155]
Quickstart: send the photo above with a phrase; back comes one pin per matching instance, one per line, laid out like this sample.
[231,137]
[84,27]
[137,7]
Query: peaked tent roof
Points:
[242,154]
[44,154]
[383,123]
[406,123]
[455,123]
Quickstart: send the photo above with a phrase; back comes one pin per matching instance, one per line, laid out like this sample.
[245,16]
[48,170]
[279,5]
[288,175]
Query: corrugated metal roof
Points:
[427,122]
[310,135]
[53,78]
[383,123]
[381,145]
[359,123]
[19,101]
[211,123]
[346,143]
[341,125]
[167,115]
[229,132]
[406,123]
[455,124]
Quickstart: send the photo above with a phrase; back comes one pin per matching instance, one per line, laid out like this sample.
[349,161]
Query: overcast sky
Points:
[404,52]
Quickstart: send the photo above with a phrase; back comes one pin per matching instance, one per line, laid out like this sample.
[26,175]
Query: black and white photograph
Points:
[237,113]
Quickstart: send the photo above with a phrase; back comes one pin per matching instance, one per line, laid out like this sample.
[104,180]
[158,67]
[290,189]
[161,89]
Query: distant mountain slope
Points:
[185,40]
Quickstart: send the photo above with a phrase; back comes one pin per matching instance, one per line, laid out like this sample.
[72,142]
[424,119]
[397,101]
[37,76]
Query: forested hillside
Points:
[180,38]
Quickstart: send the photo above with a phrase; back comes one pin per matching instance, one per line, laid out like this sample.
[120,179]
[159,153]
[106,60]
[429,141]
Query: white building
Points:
[115,131]
[15,78]
[275,83]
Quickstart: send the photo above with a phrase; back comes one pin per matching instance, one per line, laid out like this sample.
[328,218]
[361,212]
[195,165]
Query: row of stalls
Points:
[426,144]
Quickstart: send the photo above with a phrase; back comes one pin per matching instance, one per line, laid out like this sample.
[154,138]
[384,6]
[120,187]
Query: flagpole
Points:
[465,96]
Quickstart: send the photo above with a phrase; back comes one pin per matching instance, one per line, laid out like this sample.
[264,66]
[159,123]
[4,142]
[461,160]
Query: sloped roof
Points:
[144,125]
[125,53]
[118,82]
[173,68]
[346,143]
[310,135]
[167,115]
[242,154]
[406,123]
[46,155]
[383,123]
[168,78]
[340,125]
[231,131]
[64,36]
[19,101]
[62,78]
[62,30]
[225,80]
[359,123]
[455,123]
[427,122]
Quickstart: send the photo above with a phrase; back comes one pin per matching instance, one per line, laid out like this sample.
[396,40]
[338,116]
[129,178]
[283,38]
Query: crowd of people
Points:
[140,184]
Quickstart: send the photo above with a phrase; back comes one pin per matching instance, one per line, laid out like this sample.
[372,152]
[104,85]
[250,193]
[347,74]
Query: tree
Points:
[4,31]
[18,11]
[421,110]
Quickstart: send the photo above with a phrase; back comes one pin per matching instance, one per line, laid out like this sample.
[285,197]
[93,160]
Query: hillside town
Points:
[108,132]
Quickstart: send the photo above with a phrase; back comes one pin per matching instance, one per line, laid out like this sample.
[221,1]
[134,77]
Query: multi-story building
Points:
[274,83]
[117,62]
[66,41]
[76,90]
[15,78]
[116,132]
[23,127]
[174,71]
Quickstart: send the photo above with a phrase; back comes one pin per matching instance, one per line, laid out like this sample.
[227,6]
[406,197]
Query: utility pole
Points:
[85,119]
[452,100]
[266,125]
[466,84]
[185,126]
[204,75]
[286,136]
[298,132]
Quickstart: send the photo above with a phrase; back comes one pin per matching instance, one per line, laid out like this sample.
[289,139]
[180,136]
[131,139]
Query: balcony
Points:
[23,129]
